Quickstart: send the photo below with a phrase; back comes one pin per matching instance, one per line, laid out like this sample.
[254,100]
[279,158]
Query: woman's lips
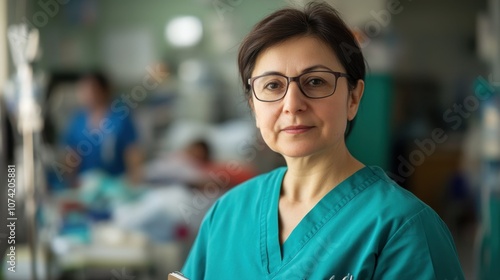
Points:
[297,129]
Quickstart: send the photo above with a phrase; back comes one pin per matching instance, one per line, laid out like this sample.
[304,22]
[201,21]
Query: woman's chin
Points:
[298,152]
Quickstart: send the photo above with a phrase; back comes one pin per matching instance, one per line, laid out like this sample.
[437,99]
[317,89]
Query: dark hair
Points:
[100,78]
[317,19]
[205,147]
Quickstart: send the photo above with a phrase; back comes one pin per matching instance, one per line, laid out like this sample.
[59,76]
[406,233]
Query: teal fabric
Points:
[365,228]
[373,121]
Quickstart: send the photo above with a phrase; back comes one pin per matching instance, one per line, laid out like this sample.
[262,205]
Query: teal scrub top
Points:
[365,228]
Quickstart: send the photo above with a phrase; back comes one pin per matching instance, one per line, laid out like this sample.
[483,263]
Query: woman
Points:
[325,215]
[103,136]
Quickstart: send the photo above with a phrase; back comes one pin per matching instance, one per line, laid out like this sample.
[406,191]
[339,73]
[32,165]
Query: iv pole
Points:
[24,46]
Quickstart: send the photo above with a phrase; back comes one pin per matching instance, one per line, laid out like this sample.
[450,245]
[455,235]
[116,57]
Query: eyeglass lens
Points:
[312,84]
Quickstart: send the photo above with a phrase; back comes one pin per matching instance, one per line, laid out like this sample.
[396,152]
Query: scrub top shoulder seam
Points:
[405,226]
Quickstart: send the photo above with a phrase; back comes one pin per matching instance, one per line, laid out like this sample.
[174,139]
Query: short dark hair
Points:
[317,19]
[100,79]
[203,145]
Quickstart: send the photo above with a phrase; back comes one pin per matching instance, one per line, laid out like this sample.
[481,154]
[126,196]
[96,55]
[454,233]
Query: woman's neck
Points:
[309,179]
[97,114]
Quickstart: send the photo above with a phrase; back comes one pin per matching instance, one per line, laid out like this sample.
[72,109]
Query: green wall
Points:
[370,138]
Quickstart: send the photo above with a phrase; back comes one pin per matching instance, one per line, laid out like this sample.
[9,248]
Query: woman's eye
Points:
[315,82]
[272,86]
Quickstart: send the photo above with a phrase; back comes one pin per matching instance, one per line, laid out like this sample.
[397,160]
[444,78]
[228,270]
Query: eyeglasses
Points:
[313,84]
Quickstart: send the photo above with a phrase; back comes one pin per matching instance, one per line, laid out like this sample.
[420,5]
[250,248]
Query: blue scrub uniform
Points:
[365,228]
[102,147]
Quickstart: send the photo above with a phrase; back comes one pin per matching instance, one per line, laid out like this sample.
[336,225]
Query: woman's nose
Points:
[294,100]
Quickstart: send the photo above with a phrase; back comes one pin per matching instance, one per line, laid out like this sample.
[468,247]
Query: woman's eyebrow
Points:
[316,67]
[271,73]
[311,68]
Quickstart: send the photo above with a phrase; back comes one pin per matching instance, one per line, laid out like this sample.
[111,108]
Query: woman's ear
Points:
[252,110]
[250,104]
[354,100]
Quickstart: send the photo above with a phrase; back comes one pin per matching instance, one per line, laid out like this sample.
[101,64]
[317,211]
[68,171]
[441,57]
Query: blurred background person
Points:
[195,165]
[105,139]
[187,165]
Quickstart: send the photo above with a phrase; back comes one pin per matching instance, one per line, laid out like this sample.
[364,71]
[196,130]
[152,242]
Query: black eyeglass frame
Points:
[297,80]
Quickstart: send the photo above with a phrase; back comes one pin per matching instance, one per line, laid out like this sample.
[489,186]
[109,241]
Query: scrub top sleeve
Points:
[196,263]
[422,248]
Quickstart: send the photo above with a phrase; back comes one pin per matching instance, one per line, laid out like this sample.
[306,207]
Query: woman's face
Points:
[297,126]
[90,94]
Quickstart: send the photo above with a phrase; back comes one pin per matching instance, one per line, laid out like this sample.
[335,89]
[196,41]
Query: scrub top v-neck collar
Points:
[274,255]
